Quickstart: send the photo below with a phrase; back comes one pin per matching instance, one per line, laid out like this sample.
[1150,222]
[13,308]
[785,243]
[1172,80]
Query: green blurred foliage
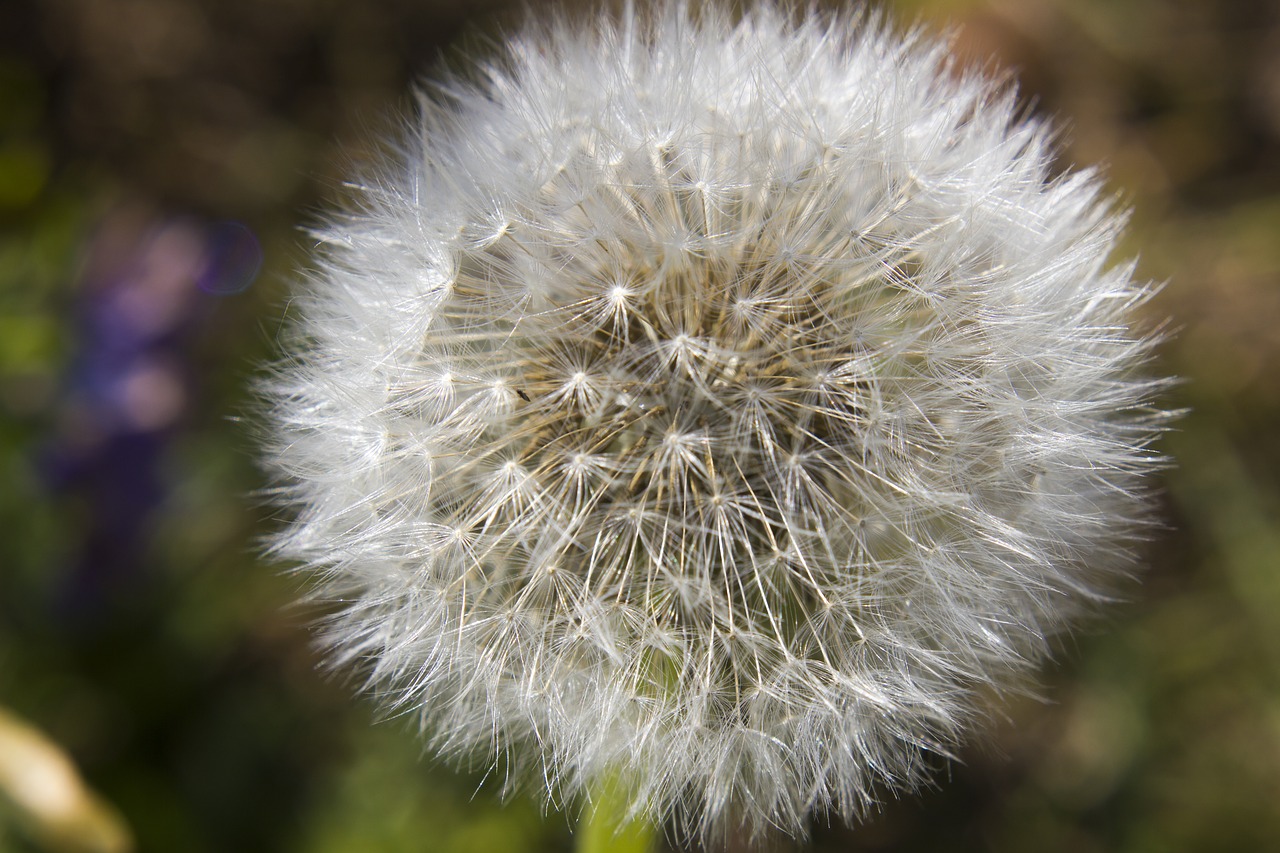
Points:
[193,700]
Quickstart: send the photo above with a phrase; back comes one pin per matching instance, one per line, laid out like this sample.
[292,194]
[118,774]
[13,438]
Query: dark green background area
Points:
[187,690]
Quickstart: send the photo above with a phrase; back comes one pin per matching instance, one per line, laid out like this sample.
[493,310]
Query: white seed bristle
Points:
[715,404]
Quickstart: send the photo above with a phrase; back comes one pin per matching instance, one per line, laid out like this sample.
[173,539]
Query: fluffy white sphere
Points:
[714,403]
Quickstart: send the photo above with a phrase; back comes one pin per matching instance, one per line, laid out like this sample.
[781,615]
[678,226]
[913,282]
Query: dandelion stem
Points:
[606,827]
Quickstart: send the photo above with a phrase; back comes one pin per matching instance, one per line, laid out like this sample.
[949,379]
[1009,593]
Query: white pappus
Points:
[714,402]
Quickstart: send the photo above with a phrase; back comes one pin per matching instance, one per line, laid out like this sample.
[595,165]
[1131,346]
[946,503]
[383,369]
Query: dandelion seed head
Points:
[716,404]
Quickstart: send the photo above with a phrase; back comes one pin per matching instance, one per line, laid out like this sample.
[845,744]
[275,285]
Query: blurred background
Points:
[159,693]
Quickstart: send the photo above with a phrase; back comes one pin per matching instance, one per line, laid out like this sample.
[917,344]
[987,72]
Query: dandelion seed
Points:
[715,404]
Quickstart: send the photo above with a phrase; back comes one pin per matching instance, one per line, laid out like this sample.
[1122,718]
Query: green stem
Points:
[605,829]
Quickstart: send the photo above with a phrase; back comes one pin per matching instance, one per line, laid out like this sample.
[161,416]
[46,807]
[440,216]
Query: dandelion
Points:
[712,406]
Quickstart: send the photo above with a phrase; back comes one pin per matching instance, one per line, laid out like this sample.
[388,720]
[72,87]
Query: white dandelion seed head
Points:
[716,404]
